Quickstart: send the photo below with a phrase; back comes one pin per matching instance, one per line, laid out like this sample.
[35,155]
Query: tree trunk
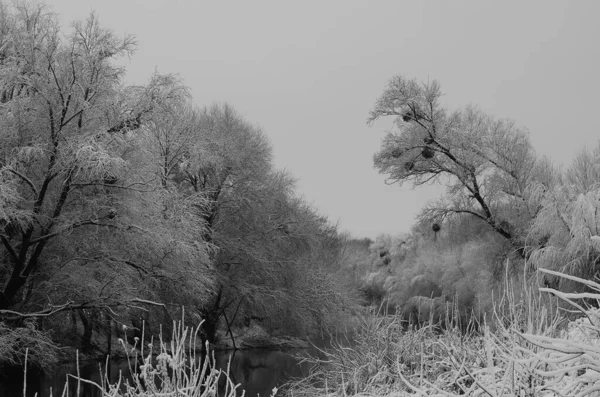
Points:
[211,316]
[88,328]
[73,323]
[229,330]
[12,286]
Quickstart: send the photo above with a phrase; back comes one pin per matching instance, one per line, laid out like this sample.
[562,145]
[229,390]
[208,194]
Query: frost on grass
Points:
[526,350]
[176,370]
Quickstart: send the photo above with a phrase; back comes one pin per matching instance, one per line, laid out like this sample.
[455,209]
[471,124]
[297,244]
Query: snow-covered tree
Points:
[82,206]
[567,228]
[486,164]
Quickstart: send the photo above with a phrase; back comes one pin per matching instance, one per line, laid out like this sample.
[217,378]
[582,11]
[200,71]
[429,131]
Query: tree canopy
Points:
[124,202]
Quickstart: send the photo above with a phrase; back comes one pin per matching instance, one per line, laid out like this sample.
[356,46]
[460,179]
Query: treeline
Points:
[127,203]
[506,213]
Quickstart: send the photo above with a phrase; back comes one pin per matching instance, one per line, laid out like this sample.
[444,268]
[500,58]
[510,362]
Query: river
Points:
[257,370]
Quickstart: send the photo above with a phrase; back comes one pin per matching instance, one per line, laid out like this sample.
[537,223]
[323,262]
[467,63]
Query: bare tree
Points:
[485,163]
[81,205]
[262,234]
[54,95]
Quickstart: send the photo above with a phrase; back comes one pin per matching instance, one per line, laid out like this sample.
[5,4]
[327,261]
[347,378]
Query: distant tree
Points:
[265,240]
[227,156]
[355,259]
[487,164]
[169,119]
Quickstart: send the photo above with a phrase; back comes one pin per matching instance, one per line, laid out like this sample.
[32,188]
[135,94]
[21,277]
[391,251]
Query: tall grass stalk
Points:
[176,370]
[527,349]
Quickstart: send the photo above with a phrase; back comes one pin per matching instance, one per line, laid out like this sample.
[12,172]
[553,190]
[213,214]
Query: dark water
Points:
[258,371]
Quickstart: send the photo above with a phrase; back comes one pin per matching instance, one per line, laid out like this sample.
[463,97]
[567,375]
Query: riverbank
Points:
[251,337]
[257,371]
[260,363]
[176,369]
[255,336]
[528,347]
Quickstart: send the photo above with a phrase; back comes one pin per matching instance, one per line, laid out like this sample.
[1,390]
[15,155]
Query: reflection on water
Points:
[258,371]
[54,384]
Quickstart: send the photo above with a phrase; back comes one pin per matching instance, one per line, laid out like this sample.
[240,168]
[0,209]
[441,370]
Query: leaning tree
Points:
[487,164]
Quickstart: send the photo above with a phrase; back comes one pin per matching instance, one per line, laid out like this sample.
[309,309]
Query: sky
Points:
[308,72]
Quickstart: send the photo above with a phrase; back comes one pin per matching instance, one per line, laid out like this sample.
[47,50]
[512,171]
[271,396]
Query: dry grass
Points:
[177,370]
[527,349]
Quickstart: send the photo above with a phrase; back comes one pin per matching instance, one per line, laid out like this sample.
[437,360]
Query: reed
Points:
[527,348]
[172,368]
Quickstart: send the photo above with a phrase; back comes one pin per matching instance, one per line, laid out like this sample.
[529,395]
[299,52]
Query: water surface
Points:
[257,370]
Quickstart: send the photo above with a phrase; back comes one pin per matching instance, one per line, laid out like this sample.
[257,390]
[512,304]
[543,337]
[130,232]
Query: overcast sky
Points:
[308,72]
